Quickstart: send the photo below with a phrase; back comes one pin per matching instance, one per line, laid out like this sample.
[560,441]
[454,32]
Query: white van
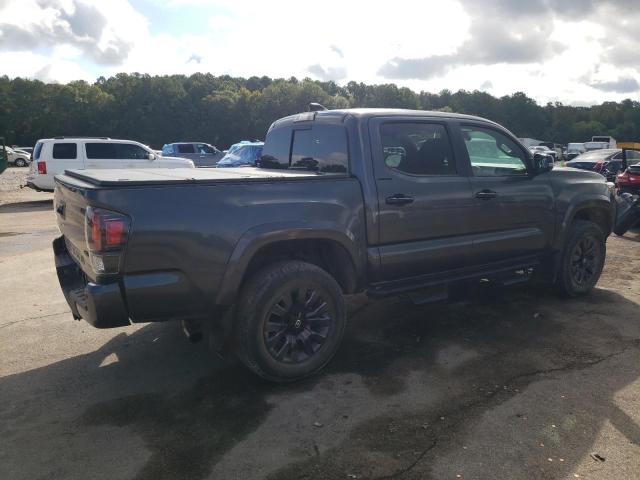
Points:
[55,155]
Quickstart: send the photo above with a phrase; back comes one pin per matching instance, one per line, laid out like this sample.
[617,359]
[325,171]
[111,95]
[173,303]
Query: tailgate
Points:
[70,205]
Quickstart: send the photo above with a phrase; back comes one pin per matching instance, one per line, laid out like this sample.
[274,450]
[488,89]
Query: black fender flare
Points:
[260,236]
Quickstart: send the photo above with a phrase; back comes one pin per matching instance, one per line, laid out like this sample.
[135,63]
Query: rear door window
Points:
[101,151]
[322,148]
[65,151]
[186,148]
[417,148]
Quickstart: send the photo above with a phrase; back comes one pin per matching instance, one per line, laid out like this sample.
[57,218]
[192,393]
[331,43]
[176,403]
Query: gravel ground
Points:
[511,384]
[12,181]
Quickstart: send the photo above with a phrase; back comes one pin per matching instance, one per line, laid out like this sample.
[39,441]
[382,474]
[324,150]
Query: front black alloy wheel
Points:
[582,260]
[290,320]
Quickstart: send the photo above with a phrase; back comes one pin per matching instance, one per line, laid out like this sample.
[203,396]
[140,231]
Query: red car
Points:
[629,180]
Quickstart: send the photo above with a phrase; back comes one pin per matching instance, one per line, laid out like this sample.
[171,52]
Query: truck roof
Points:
[338,116]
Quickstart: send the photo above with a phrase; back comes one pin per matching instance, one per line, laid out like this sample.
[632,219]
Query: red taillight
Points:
[95,241]
[105,230]
[115,232]
[42,168]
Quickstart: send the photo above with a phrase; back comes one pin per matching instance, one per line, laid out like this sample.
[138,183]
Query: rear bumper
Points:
[102,305]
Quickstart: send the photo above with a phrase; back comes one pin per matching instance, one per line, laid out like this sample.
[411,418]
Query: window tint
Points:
[119,151]
[204,149]
[65,151]
[37,150]
[275,153]
[492,153]
[167,149]
[130,151]
[322,148]
[186,148]
[96,151]
[417,148]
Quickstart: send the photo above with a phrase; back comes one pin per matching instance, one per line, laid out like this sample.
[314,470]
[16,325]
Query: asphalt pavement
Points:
[507,384]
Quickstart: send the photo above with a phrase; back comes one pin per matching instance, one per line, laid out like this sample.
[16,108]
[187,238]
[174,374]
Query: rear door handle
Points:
[486,194]
[398,199]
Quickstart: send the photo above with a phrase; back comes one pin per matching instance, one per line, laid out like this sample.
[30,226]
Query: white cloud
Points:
[337,39]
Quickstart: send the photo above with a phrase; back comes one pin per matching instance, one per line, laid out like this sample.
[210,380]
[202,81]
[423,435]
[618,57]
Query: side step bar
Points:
[507,275]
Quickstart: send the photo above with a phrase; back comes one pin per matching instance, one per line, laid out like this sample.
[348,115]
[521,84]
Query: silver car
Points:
[202,154]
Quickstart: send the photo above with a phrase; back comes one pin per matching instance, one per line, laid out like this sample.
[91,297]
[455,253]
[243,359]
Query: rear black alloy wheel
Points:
[297,325]
[584,260]
[290,320]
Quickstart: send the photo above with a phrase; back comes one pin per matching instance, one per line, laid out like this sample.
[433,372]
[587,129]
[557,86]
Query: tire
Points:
[629,220]
[283,331]
[582,259]
[21,162]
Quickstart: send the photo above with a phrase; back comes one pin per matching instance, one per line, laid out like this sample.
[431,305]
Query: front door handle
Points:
[486,194]
[398,199]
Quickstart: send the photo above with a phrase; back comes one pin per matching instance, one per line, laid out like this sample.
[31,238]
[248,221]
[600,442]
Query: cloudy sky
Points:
[574,51]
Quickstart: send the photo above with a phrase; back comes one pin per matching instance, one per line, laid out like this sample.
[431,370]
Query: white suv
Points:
[55,155]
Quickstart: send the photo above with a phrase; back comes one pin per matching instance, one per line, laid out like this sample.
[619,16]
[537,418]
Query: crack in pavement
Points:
[490,396]
[2,325]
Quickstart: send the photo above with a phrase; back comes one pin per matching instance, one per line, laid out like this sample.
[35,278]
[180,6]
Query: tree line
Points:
[223,110]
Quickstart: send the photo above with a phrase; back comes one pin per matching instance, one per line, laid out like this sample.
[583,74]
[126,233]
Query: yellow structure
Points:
[635,145]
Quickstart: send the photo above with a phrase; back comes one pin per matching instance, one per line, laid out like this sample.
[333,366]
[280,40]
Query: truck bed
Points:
[164,176]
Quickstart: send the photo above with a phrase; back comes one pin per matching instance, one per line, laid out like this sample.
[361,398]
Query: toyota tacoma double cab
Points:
[341,201]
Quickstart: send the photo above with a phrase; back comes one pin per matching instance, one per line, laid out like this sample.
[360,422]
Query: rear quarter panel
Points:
[194,230]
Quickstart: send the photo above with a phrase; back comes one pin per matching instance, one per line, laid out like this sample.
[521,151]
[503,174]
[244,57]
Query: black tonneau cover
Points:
[163,176]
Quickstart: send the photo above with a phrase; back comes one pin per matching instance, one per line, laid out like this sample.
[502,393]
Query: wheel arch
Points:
[598,210]
[332,249]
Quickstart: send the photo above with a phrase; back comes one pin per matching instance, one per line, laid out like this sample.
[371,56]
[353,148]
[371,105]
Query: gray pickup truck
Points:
[342,201]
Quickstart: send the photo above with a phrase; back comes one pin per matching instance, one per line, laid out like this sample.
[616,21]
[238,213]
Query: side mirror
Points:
[542,162]
[151,156]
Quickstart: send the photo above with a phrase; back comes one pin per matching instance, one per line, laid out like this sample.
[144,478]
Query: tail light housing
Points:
[106,235]
[42,168]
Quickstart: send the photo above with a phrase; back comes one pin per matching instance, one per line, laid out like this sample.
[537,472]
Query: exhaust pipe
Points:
[192,329]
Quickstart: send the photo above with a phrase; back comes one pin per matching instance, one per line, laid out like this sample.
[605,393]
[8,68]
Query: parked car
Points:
[55,155]
[589,160]
[243,154]
[574,149]
[544,150]
[606,162]
[375,200]
[201,154]
[629,180]
[17,158]
[28,150]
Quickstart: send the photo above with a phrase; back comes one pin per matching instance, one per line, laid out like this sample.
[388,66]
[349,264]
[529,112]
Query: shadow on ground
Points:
[28,206]
[189,409]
